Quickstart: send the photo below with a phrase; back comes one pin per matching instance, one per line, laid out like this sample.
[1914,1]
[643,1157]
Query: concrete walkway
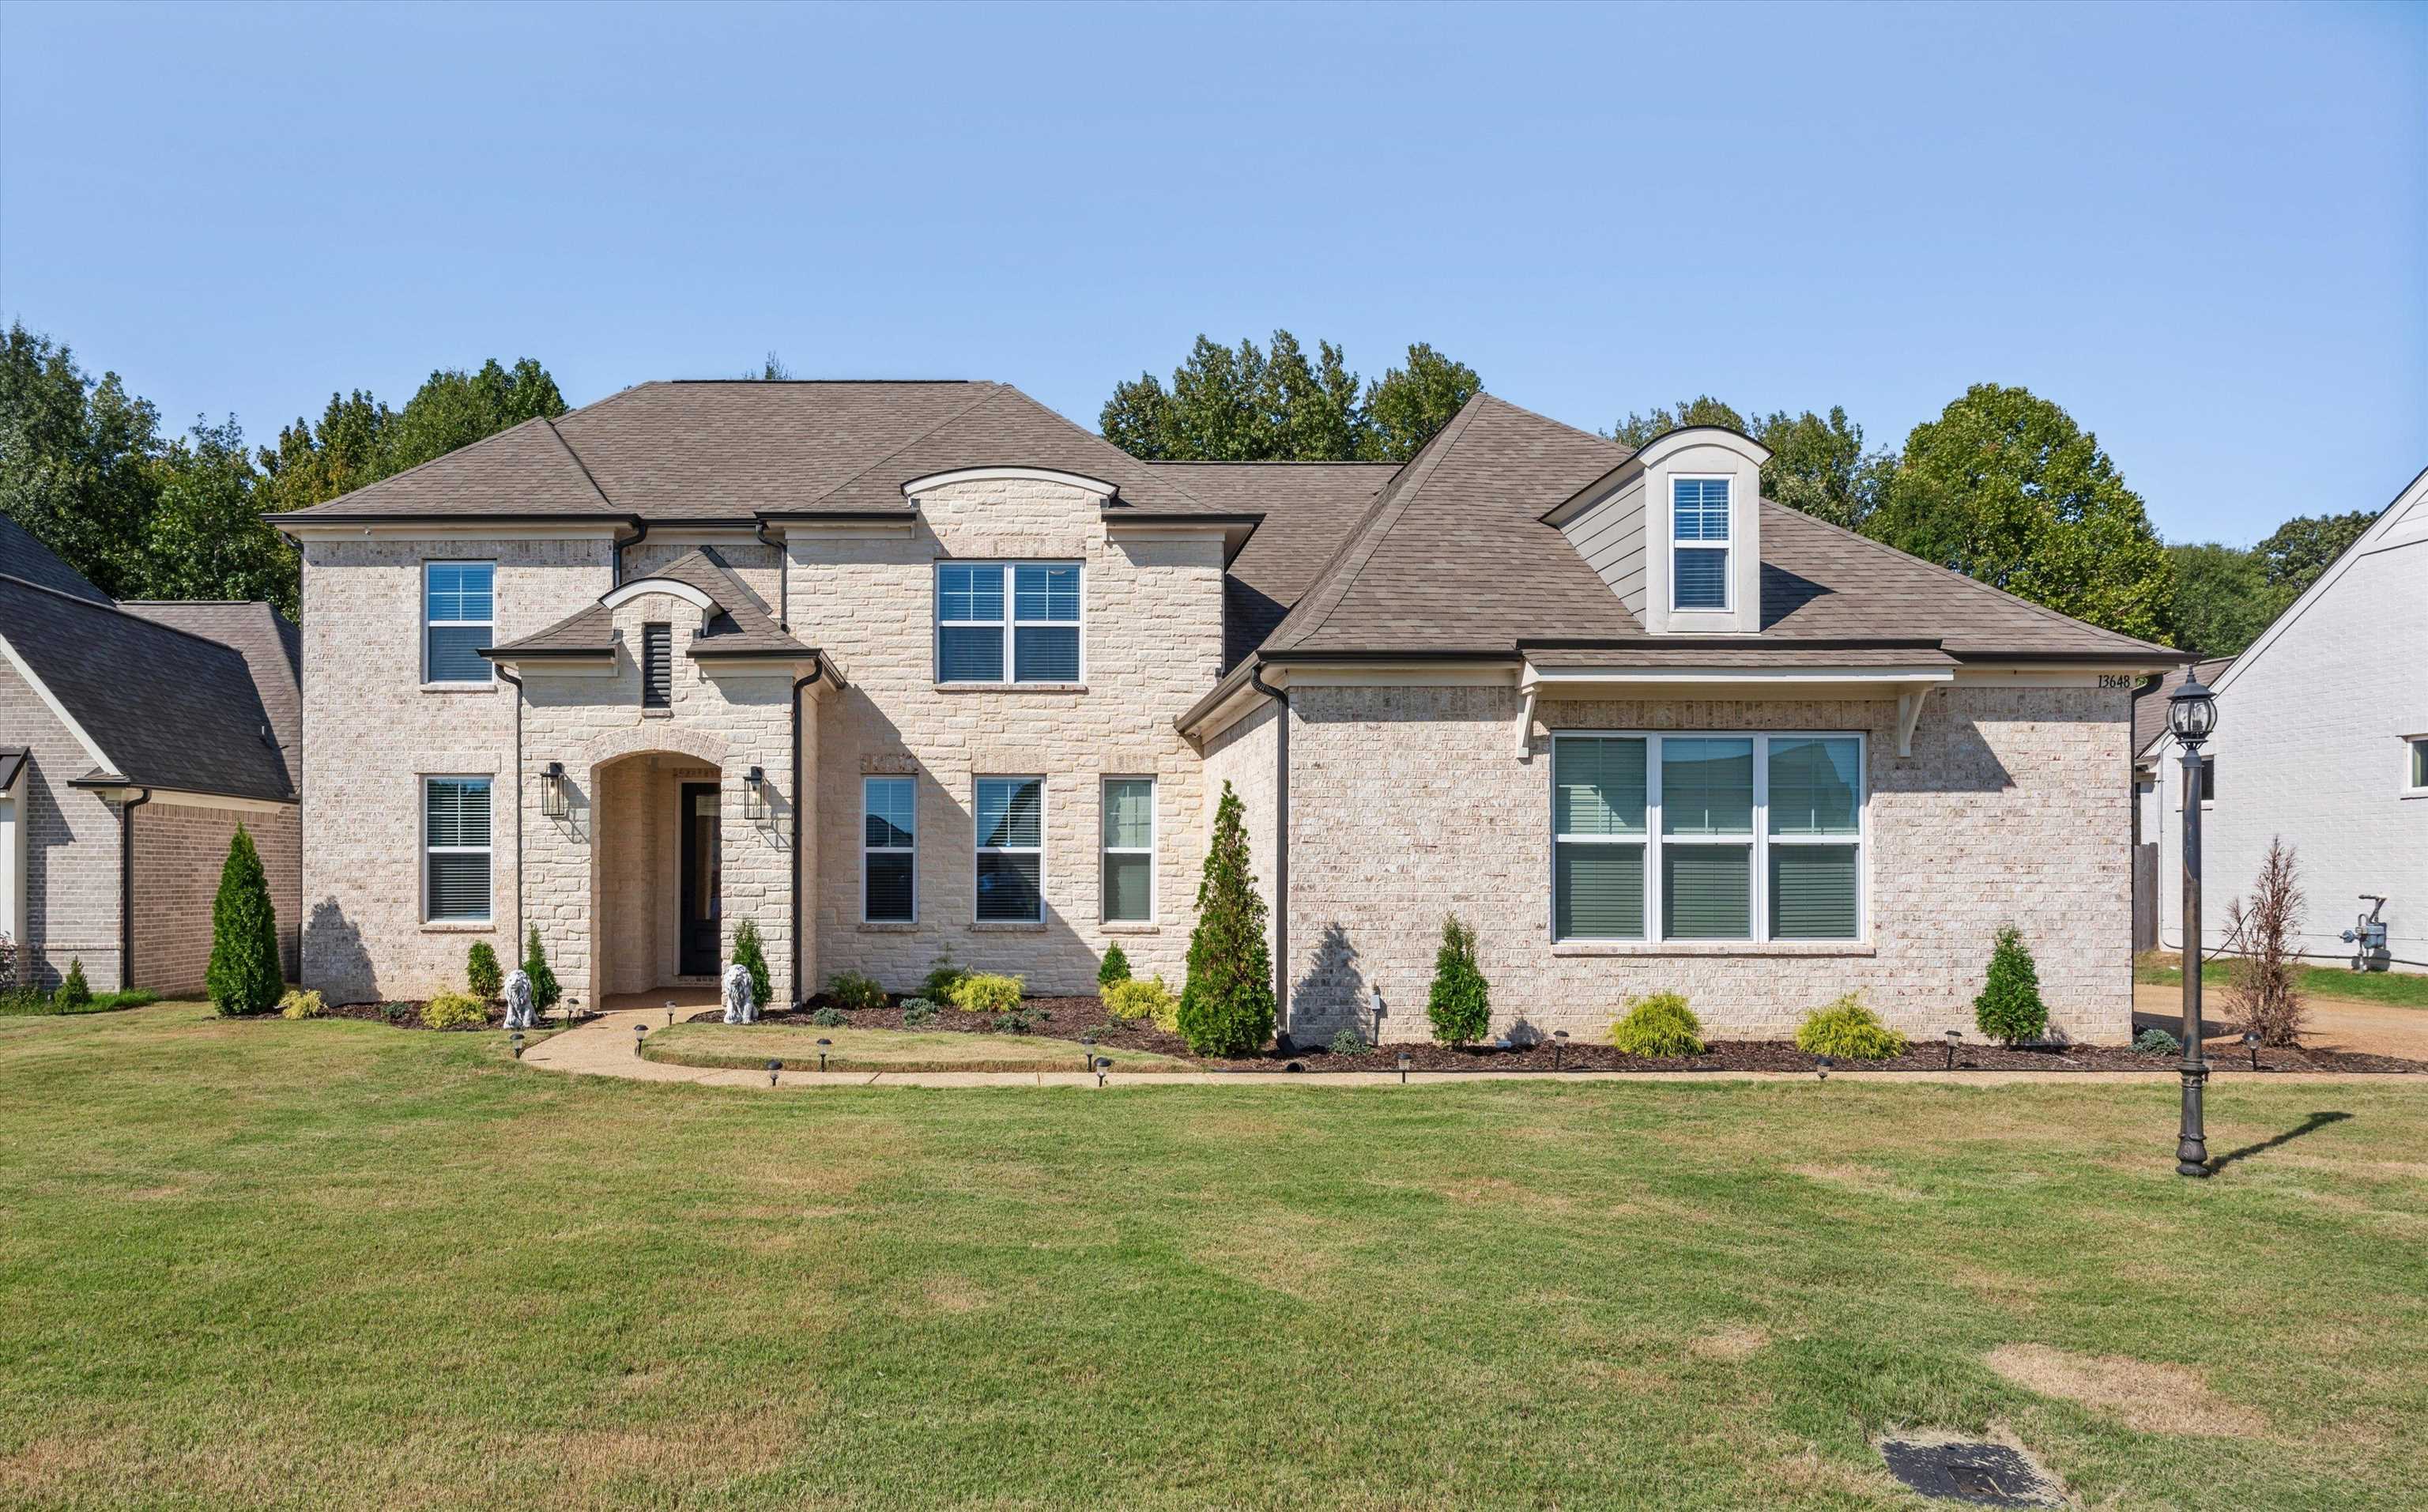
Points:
[603,1047]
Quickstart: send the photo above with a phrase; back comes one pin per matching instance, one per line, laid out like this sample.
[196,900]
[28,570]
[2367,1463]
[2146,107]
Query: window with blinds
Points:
[1129,849]
[455,849]
[657,666]
[1010,849]
[458,614]
[1735,838]
[1698,551]
[889,850]
[1007,622]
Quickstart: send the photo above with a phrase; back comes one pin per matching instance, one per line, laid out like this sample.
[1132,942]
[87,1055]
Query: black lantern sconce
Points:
[754,795]
[556,793]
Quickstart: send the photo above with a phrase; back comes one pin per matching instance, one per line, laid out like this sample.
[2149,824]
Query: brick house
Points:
[898,669]
[134,739]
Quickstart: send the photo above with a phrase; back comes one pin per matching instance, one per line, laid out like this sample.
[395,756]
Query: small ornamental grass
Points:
[981,992]
[1660,1024]
[2009,1009]
[1846,1030]
[454,1011]
[1146,997]
[850,989]
[301,1003]
[481,973]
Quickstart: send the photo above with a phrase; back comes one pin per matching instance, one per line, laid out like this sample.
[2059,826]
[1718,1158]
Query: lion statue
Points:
[519,1013]
[740,1005]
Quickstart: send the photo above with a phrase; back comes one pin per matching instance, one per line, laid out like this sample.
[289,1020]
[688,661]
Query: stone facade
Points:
[180,849]
[2010,810]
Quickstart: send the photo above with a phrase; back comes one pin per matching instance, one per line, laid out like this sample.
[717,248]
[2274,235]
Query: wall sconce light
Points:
[754,793]
[555,795]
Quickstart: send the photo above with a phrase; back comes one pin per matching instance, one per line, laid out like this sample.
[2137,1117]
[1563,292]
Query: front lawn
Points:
[333,1264]
[752,1046]
[2398,989]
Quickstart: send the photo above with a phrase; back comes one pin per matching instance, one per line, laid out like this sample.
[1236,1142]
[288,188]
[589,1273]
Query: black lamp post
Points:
[2191,714]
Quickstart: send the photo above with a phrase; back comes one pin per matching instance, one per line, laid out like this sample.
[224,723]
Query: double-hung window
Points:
[458,612]
[1129,849]
[890,850]
[1007,622]
[1707,837]
[2415,751]
[455,849]
[1010,849]
[1698,543]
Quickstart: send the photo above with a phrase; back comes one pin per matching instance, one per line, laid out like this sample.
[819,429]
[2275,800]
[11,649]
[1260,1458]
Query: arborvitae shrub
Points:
[1660,1024]
[545,991]
[942,973]
[750,954]
[74,992]
[1460,1005]
[850,989]
[1226,1005]
[1116,966]
[481,972]
[1846,1030]
[244,974]
[2009,1009]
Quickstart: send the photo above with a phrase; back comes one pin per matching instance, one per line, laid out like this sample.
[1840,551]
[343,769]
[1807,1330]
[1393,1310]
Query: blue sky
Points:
[2204,231]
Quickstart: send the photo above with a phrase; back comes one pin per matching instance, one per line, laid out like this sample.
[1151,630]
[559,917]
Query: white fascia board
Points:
[547,666]
[58,710]
[917,486]
[2414,496]
[717,666]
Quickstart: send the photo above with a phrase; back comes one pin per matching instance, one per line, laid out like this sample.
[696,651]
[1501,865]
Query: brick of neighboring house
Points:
[179,852]
[71,848]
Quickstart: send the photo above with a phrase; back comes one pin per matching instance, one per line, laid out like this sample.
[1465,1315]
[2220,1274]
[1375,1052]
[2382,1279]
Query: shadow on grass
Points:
[2316,1121]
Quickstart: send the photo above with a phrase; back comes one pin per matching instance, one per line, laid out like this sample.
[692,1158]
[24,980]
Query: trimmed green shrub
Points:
[917,1010]
[981,992]
[1659,1025]
[299,1003]
[1348,1042]
[244,974]
[545,991]
[454,1011]
[1141,997]
[481,972]
[1846,1030]
[1116,966]
[750,954]
[2158,1041]
[1226,1005]
[1460,1005]
[1015,1022]
[851,990]
[2009,1009]
[75,992]
[941,975]
[830,1018]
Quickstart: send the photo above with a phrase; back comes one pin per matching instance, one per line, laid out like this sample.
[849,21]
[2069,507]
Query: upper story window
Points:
[458,614]
[1007,622]
[1698,556]
[657,666]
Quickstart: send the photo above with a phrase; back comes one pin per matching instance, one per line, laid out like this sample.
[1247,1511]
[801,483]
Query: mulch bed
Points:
[1067,1018]
[407,1015]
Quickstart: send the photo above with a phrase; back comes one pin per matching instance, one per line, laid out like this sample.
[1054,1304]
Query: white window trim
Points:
[428,850]
[1726,548]
[1652,840]
[2411,744]
[867,850]
[1010,624]
[978,850]
[1154,834]
[428,624]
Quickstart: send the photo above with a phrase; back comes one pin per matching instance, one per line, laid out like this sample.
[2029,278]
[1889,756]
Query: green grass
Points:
[331,1264]
[29,1005]
[2396,989]
[752,1046]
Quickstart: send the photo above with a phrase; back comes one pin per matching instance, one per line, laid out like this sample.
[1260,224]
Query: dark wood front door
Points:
[700,890]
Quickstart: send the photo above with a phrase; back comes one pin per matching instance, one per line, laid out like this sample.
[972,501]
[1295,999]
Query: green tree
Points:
[1228,1007]
[243,976]
[481,972]
[1700,410]
[772,370]
[206,536]
[1406,405]
[2301,547]
[1244,404]
[545,991]
[2222,600]
[1818,463]
[359,440]
[1115,967]
[750,954]
[2009,1009]
[2005,488]
[1460,1002]
[76,459]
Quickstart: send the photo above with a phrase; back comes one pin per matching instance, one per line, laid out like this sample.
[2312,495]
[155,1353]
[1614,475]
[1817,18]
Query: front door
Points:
[700,860]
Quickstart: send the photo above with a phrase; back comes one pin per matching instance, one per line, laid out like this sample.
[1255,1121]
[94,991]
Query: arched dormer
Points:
[1676,531]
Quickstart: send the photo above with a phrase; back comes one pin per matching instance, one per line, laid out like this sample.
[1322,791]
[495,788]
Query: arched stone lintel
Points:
[666,735]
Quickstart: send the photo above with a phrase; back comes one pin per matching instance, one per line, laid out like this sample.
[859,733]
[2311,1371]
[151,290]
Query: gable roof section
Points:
[741,625]
[166,708]
[525,469]
[21,556]
[1308,509]
[1009,428]
[270,644]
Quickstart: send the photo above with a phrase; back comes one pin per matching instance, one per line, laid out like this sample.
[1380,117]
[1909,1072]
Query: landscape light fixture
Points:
[1559,1042]
[754,793]
[670,1012]
[1404,1068]
[555,796]
[2192,714]
[640,1032]
[1104,1064]
[822,1053]
[1087,1051]
[1953,1037]
[1822,1065]
[2251,1043]
[773,1066]
[518,1039]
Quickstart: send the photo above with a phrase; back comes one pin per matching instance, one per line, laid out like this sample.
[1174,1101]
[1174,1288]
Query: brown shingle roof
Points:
[21,556]
[270,644]
[523,469]
[1309,508]
[741,626]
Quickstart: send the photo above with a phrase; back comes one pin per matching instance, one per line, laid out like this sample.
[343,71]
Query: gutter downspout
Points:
[1281,856]
[783,580]
[616,576]
[799,996]
[127,888]
[516,942]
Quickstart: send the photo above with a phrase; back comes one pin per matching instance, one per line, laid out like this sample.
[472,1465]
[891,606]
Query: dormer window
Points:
[1698,511]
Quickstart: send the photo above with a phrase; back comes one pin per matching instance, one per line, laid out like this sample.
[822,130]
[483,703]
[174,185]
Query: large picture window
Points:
[1707,837]
[1129,849]
[458,614]
[455,849]
[1010,849]
[889,850]
[1699,548]
[1007,622]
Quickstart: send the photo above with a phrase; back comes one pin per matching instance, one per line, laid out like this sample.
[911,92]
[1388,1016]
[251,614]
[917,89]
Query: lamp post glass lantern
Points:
[2192,714]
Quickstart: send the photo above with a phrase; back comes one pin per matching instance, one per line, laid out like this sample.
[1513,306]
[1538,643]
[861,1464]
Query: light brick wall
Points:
[760,567]
[1408,802]
[1242,754]
[179,851]
[72,847]
[1153,618]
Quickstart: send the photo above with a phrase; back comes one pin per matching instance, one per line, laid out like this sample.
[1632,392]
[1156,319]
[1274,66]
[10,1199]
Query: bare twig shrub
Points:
[2263,928]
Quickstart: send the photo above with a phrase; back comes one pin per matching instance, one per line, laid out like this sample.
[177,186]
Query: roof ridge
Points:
[1574,430]
[1093,437]
[2040,609]
[993,391]
[587,476]
[1263,462]
[113,607]
[716,559]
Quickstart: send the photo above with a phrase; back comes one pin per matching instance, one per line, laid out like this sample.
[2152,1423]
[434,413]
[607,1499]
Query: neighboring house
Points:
[134,739]
[2321,738]
[897,670]
[2149,723]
